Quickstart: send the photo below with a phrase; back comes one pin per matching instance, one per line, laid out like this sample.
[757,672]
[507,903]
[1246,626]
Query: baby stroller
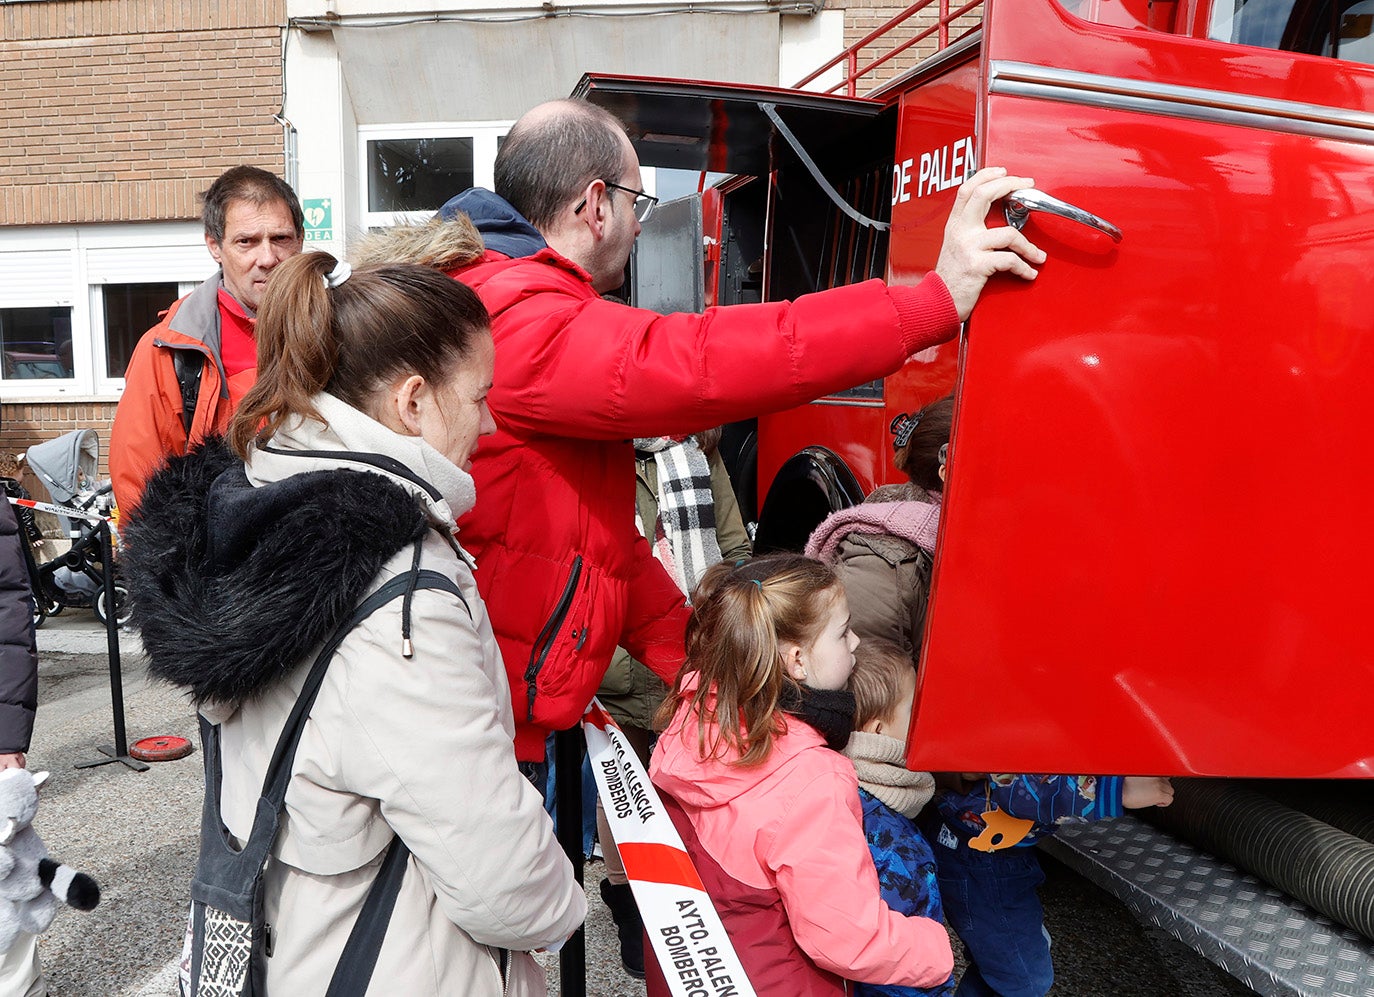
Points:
[68,466]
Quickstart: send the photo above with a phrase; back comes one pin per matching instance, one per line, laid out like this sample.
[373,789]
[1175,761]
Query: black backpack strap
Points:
[354,971]
[188,363]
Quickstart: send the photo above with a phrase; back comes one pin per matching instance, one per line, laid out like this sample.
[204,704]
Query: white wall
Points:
[810,42]
[378,66]
[319,108]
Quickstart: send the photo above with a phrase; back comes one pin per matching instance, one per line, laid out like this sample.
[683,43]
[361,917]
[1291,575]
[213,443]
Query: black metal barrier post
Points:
[567,753]
[119,751]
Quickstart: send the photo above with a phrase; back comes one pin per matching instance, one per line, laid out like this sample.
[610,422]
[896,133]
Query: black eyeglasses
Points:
[643,206]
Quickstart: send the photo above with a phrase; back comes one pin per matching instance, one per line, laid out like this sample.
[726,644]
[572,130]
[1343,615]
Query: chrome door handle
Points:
[1021,203]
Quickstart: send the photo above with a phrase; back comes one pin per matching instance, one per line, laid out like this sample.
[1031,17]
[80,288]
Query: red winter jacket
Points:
[564,573]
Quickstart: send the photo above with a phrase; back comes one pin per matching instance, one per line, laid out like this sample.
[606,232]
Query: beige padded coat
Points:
[419,747]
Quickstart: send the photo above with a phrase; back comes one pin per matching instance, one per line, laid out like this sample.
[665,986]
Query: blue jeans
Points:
[991,903]
[588,795]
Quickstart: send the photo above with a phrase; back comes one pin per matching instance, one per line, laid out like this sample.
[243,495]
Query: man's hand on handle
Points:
[972,252]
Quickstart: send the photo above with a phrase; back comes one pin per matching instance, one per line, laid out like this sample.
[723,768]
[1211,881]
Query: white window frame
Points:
[100,347]
[83,295]
[484,135]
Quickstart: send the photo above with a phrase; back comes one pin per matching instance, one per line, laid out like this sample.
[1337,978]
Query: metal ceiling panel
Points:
[720,127]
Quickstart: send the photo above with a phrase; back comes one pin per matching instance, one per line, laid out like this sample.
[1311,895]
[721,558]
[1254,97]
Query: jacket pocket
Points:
[559,679]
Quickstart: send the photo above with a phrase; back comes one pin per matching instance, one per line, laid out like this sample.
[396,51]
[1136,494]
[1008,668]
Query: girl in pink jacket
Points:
[750,769]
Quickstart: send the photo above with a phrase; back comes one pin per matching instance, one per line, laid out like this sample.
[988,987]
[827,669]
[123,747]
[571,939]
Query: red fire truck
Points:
[1157,540]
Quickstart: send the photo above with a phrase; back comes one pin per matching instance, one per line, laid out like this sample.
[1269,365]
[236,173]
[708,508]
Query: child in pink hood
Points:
[750,770]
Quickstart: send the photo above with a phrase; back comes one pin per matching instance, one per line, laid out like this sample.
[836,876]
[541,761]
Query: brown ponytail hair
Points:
[741,613]
[351,339]
[919,460]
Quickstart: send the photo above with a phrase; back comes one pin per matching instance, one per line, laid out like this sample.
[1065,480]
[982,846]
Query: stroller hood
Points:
[67,464]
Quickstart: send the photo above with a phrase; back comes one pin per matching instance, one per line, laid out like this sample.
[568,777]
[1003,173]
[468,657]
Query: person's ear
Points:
[212,244]
[793,661]
[598,204]
[411,395]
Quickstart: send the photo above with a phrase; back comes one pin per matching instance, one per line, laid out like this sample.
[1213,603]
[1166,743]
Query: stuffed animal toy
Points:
[31,883]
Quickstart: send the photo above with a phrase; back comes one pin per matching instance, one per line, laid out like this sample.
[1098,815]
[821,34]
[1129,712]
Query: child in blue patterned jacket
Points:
[884,683]
[989,874]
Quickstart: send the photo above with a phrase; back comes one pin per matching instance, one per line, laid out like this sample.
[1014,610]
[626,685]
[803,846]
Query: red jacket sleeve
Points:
[656,617]
[584,367]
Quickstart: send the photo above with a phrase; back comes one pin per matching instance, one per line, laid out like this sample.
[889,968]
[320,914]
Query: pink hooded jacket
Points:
[793,824]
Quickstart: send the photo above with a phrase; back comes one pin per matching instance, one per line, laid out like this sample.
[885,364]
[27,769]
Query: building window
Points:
[416,174]
[412,170]
[130,311]
[36,343]
[74,301]
[1343,29]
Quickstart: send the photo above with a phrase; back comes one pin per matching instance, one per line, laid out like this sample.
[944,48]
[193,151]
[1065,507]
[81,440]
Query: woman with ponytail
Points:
[750,769]
[335,495]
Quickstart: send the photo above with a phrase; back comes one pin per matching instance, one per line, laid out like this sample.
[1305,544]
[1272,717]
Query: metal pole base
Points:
[120,751]
[113,756]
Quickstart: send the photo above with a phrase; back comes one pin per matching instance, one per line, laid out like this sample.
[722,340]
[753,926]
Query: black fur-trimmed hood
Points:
[233,585]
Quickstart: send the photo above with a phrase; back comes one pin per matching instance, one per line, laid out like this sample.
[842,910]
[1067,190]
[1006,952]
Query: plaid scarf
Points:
[684,537]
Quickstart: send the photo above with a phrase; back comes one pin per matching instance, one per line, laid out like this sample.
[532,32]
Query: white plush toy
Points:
[31,883]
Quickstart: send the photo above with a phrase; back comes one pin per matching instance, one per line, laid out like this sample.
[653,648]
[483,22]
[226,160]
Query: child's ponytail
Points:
[742,614]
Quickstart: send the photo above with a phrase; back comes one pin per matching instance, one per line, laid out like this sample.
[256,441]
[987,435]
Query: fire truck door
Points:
[666,265]
[1158,539]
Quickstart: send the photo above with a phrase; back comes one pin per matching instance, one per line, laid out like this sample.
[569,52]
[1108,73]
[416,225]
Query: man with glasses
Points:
[565,574]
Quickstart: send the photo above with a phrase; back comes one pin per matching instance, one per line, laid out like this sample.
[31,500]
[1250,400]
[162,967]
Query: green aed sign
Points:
[319,219]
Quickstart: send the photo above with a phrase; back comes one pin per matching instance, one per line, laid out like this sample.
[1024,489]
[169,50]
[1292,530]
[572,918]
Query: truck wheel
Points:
[809,487]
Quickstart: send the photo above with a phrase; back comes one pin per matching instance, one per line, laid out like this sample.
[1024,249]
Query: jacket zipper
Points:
[544,643]
[502,957]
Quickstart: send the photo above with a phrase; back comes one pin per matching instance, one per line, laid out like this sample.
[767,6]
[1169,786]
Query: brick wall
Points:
[865,16]
[125,110]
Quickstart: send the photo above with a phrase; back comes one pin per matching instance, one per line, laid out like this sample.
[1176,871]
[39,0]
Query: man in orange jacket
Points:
[189,371]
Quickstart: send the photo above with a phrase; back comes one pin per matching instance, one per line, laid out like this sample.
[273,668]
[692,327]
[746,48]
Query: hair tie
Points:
[758,583]
[338,275]
[902,426]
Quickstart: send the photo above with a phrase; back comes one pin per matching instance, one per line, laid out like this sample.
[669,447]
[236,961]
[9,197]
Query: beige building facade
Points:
[117,114]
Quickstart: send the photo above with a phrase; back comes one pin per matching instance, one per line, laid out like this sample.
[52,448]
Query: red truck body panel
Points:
[1157,532]
[1156,535]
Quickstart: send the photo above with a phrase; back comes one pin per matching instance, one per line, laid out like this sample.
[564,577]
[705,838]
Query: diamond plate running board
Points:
[1270,942]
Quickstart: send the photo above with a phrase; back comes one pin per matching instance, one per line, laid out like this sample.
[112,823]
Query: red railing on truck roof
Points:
[940,27]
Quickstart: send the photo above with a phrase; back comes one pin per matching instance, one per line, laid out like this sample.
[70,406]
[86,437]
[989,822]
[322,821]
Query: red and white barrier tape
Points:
[693,949]
[60,510]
